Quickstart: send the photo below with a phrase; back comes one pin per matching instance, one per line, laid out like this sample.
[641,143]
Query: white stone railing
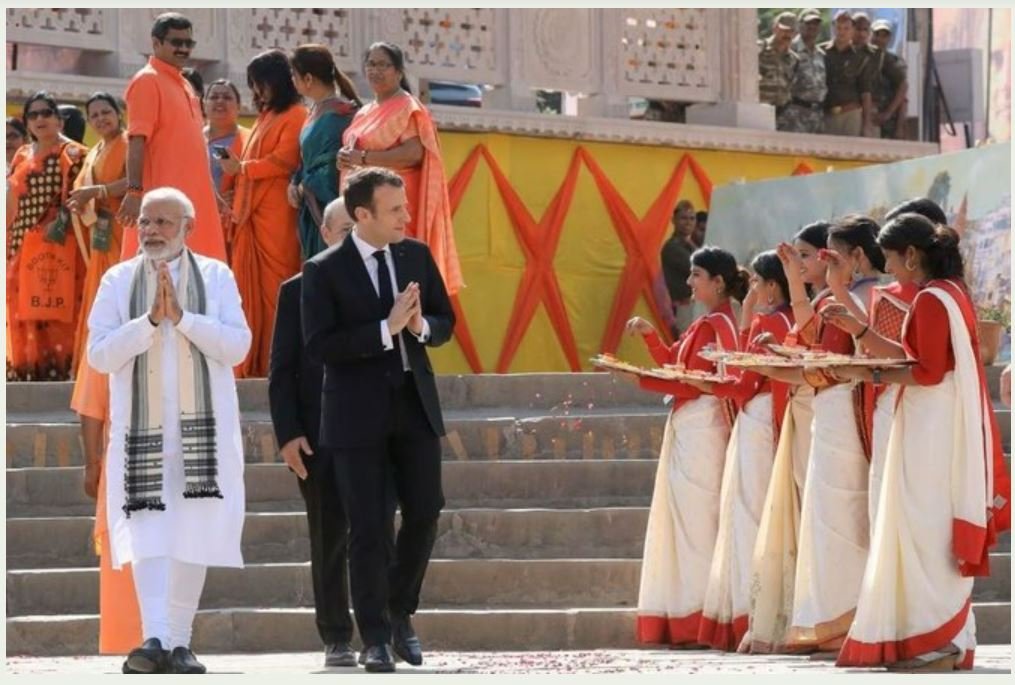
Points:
[672,54]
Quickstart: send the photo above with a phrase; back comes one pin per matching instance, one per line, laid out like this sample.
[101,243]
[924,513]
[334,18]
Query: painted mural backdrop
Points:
[973,186]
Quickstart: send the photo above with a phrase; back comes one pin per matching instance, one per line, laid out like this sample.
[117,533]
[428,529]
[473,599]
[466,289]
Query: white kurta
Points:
[203,531]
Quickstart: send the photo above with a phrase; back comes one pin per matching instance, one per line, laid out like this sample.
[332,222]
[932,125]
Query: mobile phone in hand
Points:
[220,151]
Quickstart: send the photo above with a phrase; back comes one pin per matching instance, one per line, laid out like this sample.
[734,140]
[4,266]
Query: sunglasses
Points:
[181,42]
[44,113]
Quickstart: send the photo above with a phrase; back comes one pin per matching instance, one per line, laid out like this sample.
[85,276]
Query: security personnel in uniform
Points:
[776,65]
[891,86]
[849,103]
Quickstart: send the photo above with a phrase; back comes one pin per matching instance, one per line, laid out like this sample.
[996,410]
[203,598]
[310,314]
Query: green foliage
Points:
[1001,315]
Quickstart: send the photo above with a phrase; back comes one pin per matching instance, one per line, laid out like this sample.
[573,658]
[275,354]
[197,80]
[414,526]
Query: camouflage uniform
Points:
[777,72]
[805,113]
[890,72]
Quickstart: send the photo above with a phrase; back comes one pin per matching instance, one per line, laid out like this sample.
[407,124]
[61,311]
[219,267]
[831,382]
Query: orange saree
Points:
[384,126]
[99,236]
[45,270]
[265,245]
[97,233]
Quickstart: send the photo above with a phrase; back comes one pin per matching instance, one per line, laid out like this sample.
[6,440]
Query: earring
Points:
[771,299]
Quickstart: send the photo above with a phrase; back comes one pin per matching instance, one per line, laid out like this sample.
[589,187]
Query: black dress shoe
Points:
[405,642]
[379,659]
[339,654]
[148,658]
[182,660]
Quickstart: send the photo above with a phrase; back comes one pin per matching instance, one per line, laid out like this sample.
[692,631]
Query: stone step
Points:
[476,435]
[56,491]
[607,532]
[534,583]
[493,583]
[549,484]
[473,391]
[614,533]
[617,433]
[290,630]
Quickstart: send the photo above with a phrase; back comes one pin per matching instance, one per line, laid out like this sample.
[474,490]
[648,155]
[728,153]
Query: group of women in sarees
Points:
[841,512]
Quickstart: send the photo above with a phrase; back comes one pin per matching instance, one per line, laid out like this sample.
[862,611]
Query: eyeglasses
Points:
[160,223]
[378,65]
[44,113]
[181,42]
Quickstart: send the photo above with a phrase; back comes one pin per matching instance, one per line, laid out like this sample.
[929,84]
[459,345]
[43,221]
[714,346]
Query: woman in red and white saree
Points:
[773,567]
[833,539]
[684,515]
[946,493]
[749,455]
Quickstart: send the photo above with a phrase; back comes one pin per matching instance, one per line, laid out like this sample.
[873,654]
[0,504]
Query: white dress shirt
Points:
[366,251]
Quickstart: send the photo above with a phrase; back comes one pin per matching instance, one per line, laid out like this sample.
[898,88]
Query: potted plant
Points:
[992,321]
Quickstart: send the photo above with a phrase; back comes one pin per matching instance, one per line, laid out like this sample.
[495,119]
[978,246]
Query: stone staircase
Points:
[547,478]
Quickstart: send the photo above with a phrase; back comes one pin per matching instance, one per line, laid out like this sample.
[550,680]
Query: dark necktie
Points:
[384,282]
[387,299]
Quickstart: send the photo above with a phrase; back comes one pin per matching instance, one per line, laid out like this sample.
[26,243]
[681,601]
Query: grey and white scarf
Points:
[144,468]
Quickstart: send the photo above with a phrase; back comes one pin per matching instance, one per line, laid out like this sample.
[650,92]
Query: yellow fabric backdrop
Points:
[590,256]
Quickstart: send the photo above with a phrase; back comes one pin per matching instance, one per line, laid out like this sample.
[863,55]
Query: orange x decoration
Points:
[456,189]
[641,240]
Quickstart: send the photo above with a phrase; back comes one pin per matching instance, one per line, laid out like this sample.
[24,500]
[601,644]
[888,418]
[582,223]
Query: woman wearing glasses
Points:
[44,267]
[395,131]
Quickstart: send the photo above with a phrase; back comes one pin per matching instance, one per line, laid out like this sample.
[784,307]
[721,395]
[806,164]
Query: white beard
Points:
[170,251]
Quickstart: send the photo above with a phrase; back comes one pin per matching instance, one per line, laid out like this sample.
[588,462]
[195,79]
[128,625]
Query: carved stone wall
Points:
[557,49]
[87,29]
[287,28]
[449,44]
[669,54]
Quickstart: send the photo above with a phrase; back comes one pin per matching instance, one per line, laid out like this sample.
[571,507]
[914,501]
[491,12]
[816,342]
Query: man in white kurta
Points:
[170,548]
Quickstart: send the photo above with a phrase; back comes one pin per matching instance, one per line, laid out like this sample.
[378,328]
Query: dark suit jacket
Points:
[341,325]
[294,380]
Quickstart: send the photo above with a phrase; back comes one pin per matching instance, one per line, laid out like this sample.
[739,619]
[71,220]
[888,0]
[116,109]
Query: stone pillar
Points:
[738,104]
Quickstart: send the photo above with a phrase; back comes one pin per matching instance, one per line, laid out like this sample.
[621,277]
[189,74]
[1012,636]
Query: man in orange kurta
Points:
[167,146]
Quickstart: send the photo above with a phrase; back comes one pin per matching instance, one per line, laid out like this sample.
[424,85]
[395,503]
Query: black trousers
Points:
[387,572]
[329,542]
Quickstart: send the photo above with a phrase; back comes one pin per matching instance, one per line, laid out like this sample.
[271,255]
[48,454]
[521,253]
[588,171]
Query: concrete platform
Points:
[604,662]
[464,629]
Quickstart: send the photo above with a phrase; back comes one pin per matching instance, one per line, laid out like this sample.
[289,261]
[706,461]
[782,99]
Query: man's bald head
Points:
[336,222]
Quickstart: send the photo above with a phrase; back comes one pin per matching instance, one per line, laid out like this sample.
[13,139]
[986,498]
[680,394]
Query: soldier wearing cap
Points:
[777,65]
[806,111]
[848,104]
[891,85]
[862,42]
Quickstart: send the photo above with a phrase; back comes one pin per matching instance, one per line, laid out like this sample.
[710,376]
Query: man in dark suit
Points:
[370,305]
[294,393]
